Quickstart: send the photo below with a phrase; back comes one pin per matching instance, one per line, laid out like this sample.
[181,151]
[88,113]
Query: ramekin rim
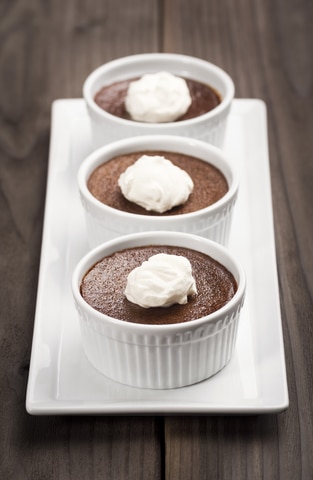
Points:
[89,164]
[87,261]
[225,103]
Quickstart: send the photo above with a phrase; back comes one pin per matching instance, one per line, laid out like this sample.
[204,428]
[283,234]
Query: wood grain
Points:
[265,47]
[46,51]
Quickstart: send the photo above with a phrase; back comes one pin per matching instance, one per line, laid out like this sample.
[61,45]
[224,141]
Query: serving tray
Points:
[61,380]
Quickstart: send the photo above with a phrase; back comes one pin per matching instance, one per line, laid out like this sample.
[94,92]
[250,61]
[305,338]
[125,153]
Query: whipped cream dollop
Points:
[155,183]
[161,281]
[157,97]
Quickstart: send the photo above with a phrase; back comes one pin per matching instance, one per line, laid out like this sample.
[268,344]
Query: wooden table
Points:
[46,51]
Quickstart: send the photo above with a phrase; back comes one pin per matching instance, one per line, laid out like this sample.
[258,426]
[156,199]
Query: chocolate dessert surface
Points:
[209,183]
[104,284]
[111,98]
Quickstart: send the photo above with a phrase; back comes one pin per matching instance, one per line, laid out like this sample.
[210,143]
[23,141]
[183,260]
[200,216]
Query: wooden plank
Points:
[265,47]
[47,50]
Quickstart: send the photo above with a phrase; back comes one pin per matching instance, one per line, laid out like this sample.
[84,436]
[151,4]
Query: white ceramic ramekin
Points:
[105,223]
[159,356]
[209,127]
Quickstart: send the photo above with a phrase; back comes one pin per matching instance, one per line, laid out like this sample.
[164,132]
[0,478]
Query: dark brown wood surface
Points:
[47,48]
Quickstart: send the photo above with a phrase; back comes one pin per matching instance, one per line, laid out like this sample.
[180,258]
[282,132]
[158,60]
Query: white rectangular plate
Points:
[61,380]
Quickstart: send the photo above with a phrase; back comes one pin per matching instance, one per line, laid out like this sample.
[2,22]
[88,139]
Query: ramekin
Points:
[209,127]
[159,356]
[104,223]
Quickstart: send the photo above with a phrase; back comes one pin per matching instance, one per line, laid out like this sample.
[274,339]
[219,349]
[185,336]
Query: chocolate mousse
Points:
[103,286]
[111,98]
[209,183]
